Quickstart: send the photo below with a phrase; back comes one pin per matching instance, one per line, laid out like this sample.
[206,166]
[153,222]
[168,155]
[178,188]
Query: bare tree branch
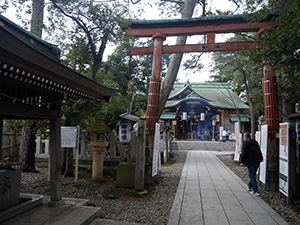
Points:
[174,1]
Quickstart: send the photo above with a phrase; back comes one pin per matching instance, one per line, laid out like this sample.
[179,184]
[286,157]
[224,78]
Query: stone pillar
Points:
[82,144]
[154,91]
[98,146]
[272,120]
[140,156]
[38,147]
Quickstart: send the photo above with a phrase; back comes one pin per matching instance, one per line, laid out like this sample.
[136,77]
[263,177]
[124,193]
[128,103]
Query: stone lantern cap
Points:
[99,127]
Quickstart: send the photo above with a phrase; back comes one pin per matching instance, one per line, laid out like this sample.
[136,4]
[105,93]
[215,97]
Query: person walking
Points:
[251,157]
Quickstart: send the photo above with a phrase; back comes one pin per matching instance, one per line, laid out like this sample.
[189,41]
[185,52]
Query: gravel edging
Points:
[153,208]
[291,213]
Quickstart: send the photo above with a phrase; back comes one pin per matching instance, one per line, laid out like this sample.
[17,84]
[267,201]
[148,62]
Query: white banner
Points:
[184,116]
[284,158]
[263,147]
[221,129]
[238,142]
[202,116]
[156,150]
[257,137]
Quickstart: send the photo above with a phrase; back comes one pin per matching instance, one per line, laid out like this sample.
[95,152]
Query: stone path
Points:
[210,193]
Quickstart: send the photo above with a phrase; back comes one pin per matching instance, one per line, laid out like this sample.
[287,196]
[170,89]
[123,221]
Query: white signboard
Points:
[156,150]
[284,158]
[238,142]
[263,147]
[68,137]
[221,129]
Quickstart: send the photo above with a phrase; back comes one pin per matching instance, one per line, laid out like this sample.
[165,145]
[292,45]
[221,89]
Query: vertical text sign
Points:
[263,147]
[238,141]
[284,158]
[156,149]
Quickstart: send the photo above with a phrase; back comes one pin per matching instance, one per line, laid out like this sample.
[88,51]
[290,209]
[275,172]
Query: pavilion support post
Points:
[272,120]
[154,92]
[55,162]
[1,134]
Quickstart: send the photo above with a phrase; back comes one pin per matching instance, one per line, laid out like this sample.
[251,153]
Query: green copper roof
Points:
[217,95]
[206,18]
[168,116]
[243,117]
[30,39]
[190,22]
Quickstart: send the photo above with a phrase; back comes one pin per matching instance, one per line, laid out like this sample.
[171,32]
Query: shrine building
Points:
[199,110]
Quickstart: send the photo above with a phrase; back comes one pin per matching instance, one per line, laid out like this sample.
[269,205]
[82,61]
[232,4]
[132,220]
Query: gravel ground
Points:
[291,213]
[152,208]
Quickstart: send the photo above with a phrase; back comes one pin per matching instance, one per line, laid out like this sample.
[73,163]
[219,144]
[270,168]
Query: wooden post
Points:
[154,90]
[272,120]
[1,133]
[55,162]
[140,156]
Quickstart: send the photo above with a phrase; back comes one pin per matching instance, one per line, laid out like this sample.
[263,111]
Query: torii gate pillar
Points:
[154,91]
[272,120]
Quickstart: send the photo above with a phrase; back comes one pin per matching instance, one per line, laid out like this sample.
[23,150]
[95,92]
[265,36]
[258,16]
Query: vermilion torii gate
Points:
[159,30]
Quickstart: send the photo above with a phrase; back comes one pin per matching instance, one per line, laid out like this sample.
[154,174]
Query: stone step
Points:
[203,145]
[79,215]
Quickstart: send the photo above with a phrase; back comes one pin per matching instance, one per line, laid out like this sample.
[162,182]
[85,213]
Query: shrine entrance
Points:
[159,30]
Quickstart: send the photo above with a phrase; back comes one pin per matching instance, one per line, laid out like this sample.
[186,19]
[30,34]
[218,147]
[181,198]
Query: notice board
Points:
[284,158]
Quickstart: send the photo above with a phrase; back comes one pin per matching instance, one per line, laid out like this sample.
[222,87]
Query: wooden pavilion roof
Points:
[31,76]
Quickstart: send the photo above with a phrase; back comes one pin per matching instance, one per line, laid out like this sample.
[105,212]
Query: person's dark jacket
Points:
[251,153]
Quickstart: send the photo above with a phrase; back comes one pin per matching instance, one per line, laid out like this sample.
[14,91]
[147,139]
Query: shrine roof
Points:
[32,76]
[216,95]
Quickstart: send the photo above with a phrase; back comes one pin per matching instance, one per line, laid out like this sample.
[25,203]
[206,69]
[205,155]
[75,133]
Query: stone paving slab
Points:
[72,212]
[210,193]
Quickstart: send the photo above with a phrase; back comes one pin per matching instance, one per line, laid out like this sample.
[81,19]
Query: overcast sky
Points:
[183,75]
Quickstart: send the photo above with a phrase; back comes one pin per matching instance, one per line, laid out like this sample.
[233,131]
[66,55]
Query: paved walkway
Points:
[210,193]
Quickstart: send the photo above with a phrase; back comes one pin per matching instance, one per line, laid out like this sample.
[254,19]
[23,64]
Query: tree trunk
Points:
[175,61]
[37,17]
[27,149]
[252,119]
[69,162]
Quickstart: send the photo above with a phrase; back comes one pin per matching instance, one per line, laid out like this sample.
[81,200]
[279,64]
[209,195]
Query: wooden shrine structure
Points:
[159,30]
[33,85]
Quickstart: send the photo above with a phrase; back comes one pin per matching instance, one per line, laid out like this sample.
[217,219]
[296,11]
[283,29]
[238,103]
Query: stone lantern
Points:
[99,144]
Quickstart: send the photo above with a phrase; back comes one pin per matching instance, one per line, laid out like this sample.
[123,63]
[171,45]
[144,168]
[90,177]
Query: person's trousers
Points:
[252,173]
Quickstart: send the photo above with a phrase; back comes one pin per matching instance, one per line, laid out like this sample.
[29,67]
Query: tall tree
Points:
[174,65]
[244,73]
[28,134]
[97,24]
[279,47]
